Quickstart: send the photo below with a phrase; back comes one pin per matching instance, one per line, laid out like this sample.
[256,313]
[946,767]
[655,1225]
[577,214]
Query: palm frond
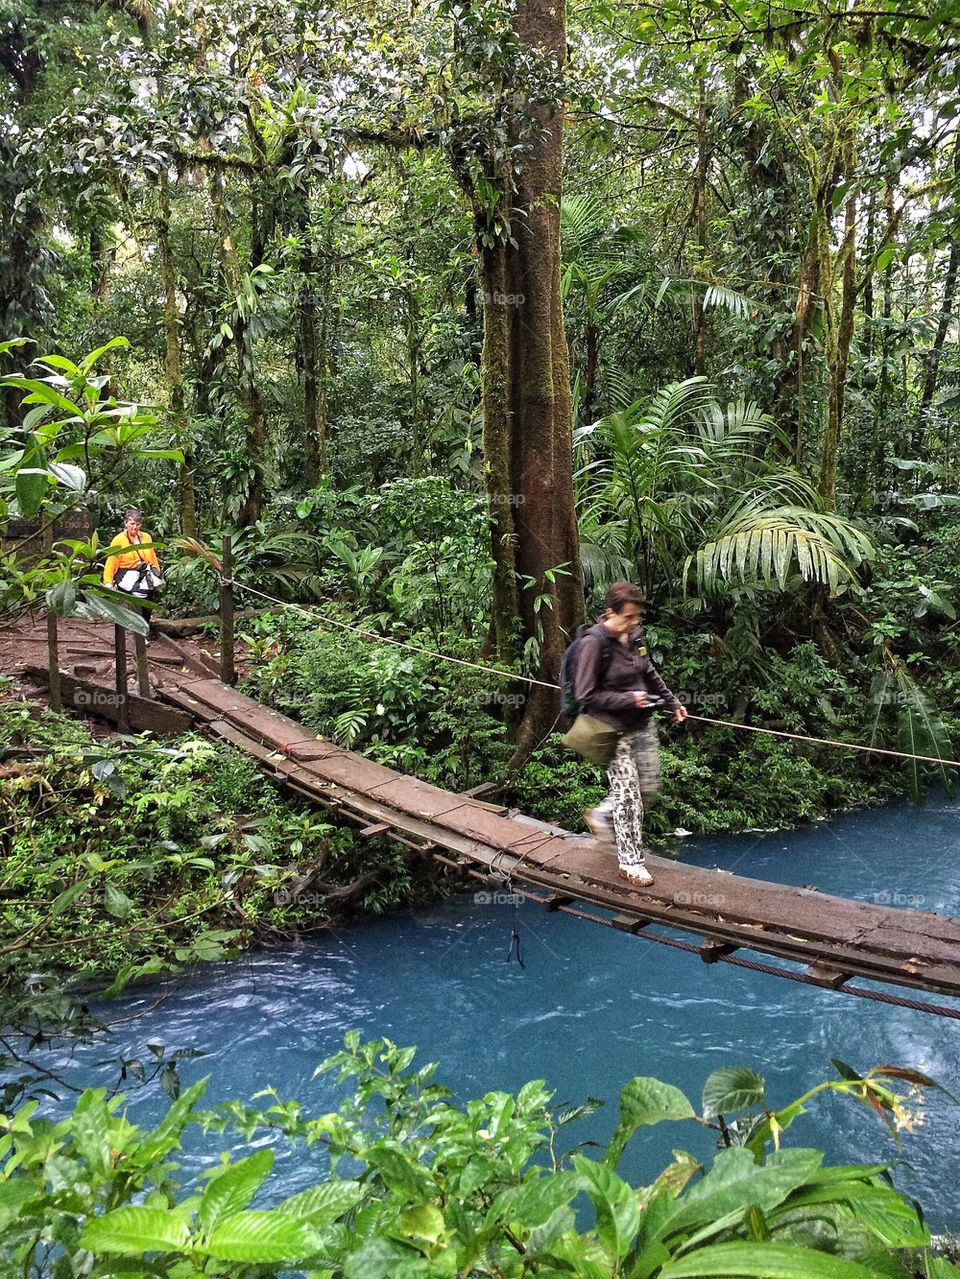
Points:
[773,546]
[717,297]
[921,732]
[618,386]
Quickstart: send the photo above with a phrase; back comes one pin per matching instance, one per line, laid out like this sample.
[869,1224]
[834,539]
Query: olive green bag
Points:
[592,739]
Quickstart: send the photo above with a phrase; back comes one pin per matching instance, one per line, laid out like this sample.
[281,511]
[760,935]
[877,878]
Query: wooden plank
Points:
[197,663]
[410,795]
[350,771]
[824,975]
[556,900]
[629,923]
[90,698]
[317,748]
[712,950]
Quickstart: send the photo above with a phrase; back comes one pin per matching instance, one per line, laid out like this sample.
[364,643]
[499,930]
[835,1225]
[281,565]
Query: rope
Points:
[385,639]
[314,614]
[826,741]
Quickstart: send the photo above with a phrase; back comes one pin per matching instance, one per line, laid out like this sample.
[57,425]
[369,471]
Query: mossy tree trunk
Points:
[528,451]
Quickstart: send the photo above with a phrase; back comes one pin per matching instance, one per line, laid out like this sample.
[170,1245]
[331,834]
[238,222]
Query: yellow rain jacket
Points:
[137,555]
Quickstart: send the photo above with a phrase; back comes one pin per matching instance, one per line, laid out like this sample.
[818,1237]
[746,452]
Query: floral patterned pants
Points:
[634,775]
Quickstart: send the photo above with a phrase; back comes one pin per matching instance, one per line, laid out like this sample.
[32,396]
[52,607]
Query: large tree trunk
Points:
[528,449]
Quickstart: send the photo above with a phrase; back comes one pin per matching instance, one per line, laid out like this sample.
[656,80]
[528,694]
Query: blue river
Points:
[588,1009]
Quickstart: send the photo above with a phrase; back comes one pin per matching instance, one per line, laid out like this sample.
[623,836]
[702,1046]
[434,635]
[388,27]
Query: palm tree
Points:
[677,492]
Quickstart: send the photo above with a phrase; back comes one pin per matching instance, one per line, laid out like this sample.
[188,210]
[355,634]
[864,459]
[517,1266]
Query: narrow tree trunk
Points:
[590,369]
[246,360]
[174,374]
[839,344]
[312,304]
[932,363]
[412,324]
[792,393]
[497,450]
[943,325]
[869,248]
[700,222]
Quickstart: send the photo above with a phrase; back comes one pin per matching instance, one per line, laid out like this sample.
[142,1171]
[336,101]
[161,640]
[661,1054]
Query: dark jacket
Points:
[608,695]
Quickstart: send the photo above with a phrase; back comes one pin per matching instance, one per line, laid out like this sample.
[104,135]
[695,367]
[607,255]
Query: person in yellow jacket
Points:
[136,571]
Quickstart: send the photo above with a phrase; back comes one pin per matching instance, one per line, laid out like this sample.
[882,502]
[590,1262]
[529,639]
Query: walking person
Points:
[614,681]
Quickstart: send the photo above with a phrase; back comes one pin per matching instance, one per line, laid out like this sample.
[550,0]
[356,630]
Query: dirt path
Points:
[87,651]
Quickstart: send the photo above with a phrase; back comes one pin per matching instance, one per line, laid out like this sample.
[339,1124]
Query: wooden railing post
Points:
[227,669]
[143,674]
[120,650]
[53,639]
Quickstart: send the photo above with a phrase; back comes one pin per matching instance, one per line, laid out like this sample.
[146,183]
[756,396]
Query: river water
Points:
[589,1008]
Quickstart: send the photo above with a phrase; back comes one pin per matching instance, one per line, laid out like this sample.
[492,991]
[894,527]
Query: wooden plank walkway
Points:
[834,937]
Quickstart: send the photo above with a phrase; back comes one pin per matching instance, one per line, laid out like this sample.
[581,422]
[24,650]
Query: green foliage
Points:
[124,859]
[70,417]
[421,1185]
[401,708]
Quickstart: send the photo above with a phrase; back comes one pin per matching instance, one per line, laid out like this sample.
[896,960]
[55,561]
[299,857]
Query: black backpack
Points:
[568,671]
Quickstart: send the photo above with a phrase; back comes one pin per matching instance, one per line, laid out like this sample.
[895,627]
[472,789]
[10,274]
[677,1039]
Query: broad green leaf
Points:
[117,903]
[378,1257]
[763,1261]
[173,455]
[134,1231]
[400,1172]
[166,1136]
[645,1101]
[62,597]
[615,1203]
[96,355]
[731,1088]
[425,1221]
[233,1188]
[71,477]
[68,897]
[877,1207]
[535,1201]
[14,1196]
[736,1181]
[31,486]
[260,1237]
[103,608]
[96,1133]
[323,1203]
[39,392]
[62,363]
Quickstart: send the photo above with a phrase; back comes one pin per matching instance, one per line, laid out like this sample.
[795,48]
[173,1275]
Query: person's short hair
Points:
[132,513]
[619,595]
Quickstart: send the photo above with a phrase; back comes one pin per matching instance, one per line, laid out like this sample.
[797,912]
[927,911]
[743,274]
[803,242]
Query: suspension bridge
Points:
[815,938]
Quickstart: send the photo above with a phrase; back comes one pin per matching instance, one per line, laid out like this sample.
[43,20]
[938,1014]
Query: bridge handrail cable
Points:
[315,615]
